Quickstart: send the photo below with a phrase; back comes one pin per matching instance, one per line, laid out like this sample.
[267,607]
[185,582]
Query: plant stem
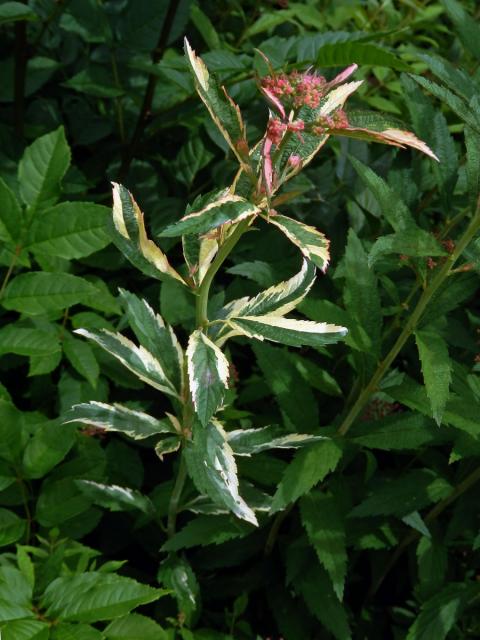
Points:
[411,324]
[223,252]
[176,495]
[459,490]
[150,89]
[10,269]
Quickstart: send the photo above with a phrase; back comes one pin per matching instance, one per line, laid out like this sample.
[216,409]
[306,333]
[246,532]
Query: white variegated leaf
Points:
[246,442]
[337,97]
[136,359]
[115,417]
[208,372]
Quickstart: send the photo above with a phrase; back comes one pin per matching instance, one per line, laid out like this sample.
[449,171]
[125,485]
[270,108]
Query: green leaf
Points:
[245,442]
[134,626]
[414,242]
[465,25]
[402,495]
[155,336]
[393,208]
[227,208]
[432,558]
[11,217]
[14,11]
[309,467]
[205,27]
[134,424]
[436,368]
[25,630]
[42,168]
[191,159]
[295,333]
[48,446]
[223,111]
[70,230]
[439,613]
[95,596]
[39,292]
[311,242]
[177,575]
[130,236]
[114,497]
[405,430]
[12,528]
[472,167]
[362,298]
[327,609]
[345,53]
[208,373]
[64,631]
[136,359]
[205,530]
[211,466]
[326,531]
[86,19]
[28,342]
[81,357]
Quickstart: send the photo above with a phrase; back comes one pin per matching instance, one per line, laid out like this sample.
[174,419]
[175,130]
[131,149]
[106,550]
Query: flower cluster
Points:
[295,89]
[337,120]
[276,128]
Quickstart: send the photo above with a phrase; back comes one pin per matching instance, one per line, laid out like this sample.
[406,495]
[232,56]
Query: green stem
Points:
[411,324]
[223,252]
[176,495]
[10,269]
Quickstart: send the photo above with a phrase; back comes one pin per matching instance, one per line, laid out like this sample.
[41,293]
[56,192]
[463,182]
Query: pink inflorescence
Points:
[296,89]
[337,120]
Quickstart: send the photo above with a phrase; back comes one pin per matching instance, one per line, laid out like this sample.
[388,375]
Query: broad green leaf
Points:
[345,53]
[439,613]
[208,373]
[311,242]
[114,497]
[48,446]
[12,528]
[361,295]
[13,437]
[205,27]
[211,466]
[314,581]
[134,424]
[155,336]
[297,403]
[176,574]
[401,495]
[42,365]
[191,159]
[14,11]
[405,430]
[61,502]
[25,630]
[228,208]
[11,217]
[86,19]
[205,530]
[42,168]
[309,466]
[134,626]
[64,631]
[413,242]
[436,368]
[245,442]
[465,25]
[223,111]
[28,342]
[295,333]
[392,206]
[70,230]
[130,236]
[95,596]
[432,559]
[39,292]
[81,357]
[136,359]
[326,531]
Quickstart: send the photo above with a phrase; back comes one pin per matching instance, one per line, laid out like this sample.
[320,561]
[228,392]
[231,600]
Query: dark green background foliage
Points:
[373,533]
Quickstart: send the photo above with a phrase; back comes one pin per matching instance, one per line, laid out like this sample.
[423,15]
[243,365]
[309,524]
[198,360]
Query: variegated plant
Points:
[305,111]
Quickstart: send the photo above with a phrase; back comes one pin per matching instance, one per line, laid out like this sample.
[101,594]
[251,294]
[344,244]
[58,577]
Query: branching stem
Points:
[439,278]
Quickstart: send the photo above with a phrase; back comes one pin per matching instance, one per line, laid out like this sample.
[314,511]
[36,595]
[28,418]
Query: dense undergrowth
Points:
[370,528]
